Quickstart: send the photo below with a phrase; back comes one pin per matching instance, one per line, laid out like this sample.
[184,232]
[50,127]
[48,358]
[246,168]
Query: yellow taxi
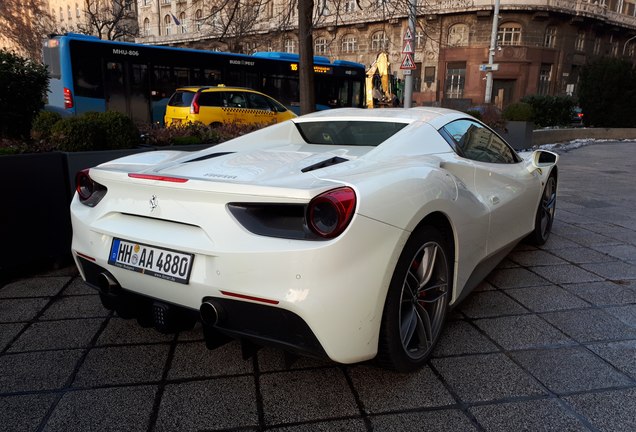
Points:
[219,104]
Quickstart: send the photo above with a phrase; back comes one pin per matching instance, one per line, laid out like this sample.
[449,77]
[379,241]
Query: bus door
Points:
[116,87]
[139,93]
[127,90]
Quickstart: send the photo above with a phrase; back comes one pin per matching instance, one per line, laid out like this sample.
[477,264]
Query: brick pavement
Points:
[547,342]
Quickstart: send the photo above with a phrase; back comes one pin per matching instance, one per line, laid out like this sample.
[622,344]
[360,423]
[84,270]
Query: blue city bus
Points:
[90,74]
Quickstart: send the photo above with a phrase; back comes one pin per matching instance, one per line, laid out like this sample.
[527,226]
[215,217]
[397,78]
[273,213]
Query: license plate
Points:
[163,263]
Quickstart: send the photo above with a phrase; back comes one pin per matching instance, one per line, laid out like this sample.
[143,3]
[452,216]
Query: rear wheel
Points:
[545,213]
[417,301]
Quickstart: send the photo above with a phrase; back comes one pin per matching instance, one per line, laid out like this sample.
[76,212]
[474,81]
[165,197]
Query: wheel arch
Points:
[442,223]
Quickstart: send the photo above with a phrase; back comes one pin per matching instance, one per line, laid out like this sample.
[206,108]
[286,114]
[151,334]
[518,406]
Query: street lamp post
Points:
[491,53]
[408,79]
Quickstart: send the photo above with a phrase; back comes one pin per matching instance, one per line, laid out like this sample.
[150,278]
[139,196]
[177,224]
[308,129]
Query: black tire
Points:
[416,303]
[544,218]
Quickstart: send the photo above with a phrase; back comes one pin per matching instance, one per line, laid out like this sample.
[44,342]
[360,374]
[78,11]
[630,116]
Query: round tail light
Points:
[329,214]
[89,192]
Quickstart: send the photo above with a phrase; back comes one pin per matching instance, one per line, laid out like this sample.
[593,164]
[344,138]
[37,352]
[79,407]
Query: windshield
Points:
[353,133]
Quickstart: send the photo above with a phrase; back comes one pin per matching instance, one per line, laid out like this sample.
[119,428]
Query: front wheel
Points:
[417,301]
[545,213]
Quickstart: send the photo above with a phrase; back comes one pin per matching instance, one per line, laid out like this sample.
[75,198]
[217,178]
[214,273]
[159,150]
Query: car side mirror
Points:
[541,159]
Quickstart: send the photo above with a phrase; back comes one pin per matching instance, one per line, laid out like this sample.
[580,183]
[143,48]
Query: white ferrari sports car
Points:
[345,234]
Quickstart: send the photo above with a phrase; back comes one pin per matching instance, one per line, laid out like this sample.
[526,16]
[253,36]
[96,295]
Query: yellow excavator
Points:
[379,67]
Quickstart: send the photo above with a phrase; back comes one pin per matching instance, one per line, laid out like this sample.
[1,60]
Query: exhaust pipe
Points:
[211,312]
[106,283]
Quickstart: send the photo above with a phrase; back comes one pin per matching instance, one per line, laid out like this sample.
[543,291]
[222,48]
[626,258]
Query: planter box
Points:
[518,134]
[37,190]
[35,216]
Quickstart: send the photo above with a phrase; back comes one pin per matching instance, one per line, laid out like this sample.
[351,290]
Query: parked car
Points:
[344,234]
[220,104]
[577,117]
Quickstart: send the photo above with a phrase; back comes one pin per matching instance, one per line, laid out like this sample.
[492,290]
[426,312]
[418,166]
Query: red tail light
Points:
[194,106]
[329,214]
[90,193]
[68,98]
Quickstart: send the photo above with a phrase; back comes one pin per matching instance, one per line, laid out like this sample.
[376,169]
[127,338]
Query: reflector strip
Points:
[85,256]
[247,297]
[158,177]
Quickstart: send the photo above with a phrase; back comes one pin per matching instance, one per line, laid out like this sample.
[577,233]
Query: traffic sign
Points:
[407,62]
[408,35]
[489,67]
[408,47]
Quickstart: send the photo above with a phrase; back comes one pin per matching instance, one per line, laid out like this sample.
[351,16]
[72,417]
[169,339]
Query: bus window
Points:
[234,79]
[116,88]
[182,76]
[162,86]
[343,94]
[139,100]
[251,80]
[211,77]
[87,78]
[357,92]
[51,55]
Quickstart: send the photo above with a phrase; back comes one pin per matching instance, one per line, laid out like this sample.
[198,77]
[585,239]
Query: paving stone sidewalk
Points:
[547,342]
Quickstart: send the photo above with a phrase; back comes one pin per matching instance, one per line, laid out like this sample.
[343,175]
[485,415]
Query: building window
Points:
[455,80]
[349,43]
[545,74]
[597,45]
[613,46]
[320,46]
[198,15]
[419,39]
[167,23]
[379,41]
[128,5]
[290,45]
[183,28]
[147,2]
[509,34]
[579,43]
[549,40]
[77,10]
[630,49]
[165,1]
[68,12]
[146,27]
[61,14]
[458,35]
[349,6]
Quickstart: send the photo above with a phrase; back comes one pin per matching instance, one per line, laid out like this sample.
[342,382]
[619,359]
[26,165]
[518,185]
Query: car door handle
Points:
[494,199]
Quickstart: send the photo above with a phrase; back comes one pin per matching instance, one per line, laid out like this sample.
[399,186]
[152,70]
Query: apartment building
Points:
[541,44]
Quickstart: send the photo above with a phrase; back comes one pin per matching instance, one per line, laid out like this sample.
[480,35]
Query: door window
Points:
[474,141]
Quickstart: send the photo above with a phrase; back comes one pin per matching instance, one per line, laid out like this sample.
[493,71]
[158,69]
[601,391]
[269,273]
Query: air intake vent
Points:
[324,164]
[210,156]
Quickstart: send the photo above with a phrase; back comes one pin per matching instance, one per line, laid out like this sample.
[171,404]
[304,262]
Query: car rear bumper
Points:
[323,298]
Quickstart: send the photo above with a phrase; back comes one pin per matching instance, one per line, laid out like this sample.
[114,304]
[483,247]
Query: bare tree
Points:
[306,50]
[24,24]
[110,19]
[239,24]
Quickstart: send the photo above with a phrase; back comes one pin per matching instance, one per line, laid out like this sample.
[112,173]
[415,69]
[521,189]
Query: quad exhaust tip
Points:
[106,283]
[211,312]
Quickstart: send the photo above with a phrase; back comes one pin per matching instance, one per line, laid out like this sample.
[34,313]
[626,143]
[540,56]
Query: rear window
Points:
[354,133]
[181,99]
